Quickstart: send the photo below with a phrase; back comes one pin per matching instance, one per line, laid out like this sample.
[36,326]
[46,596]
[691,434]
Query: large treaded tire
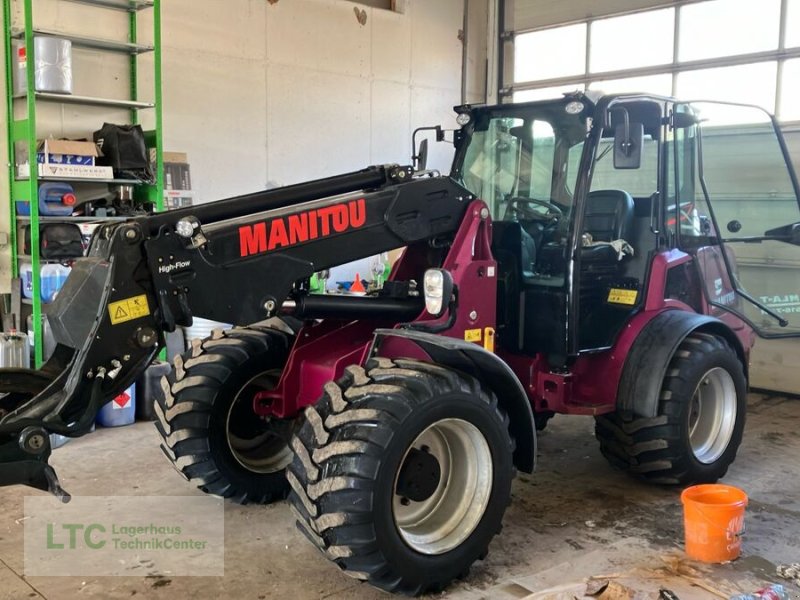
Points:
[347,455]
[659,449]
[193,416]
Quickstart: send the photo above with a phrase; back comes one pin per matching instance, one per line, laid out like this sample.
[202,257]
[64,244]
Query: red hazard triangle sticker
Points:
[122,401]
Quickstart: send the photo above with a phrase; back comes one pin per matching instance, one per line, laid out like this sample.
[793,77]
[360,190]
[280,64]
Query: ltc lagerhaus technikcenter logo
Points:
[96,536]
[124,535]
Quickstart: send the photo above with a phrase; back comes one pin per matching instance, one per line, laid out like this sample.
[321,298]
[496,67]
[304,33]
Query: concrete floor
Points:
[575,518]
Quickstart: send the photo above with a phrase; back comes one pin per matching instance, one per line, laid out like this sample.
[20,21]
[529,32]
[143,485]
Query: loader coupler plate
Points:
[23,461]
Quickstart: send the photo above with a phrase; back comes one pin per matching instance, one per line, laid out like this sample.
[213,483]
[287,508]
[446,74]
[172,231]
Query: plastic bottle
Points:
[26,279]
[387,266]
[14,350]
[774,592]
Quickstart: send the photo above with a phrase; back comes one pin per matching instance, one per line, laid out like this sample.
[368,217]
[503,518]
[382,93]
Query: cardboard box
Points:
[67,171]
[169,157]
[67,152]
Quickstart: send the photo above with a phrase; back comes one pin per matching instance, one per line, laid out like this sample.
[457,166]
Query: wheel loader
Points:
[588,255]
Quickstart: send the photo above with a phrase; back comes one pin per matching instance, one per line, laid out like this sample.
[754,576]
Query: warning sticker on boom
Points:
[128,309]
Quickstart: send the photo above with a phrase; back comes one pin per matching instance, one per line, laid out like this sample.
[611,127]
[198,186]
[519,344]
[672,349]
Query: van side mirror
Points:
[628,143]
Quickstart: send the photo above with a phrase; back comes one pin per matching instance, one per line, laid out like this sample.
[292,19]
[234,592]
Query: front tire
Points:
[402,473]
[701,415]
[208,428]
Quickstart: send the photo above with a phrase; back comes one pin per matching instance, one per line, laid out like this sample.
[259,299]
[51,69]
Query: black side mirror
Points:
[683,120]
[421,158]
[628,143]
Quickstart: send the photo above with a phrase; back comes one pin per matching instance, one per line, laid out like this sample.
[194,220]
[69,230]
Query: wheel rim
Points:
[257,445]
[451,512]
[712,416]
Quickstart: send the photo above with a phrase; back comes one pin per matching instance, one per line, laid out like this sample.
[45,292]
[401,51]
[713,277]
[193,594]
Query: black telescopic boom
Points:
[249,204]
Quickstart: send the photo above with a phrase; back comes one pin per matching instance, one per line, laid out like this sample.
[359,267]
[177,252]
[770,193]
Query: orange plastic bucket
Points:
[713,521]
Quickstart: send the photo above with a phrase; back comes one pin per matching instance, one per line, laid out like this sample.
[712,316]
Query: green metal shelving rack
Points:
[24,130]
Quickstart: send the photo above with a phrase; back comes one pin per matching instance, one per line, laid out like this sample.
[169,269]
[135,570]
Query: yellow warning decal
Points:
[128,309]
[473,335]
[619,296]
[488,339]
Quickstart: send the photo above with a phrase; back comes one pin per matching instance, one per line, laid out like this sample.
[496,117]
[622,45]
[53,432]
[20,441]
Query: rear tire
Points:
[700,421]
[402,474]
[208,428]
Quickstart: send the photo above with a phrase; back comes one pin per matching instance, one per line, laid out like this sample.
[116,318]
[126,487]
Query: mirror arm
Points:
[416,155]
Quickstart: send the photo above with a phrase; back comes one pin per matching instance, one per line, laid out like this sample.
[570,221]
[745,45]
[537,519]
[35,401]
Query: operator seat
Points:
[608,217]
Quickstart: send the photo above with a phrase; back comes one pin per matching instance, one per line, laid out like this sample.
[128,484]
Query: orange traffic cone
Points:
[357,287]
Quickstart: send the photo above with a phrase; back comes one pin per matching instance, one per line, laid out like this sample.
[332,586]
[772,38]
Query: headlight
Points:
[463,118]
[437,288]
[574,108]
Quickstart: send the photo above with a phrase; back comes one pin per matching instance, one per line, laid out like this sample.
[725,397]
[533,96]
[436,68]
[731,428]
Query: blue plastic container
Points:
[26,279]
[56,199]
[52,279]
[120,411]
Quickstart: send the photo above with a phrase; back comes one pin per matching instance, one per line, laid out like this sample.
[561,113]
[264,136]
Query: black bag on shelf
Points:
[124,149]
[56,240]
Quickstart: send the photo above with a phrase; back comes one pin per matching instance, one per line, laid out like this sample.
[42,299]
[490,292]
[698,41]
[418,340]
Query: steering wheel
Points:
[516,208]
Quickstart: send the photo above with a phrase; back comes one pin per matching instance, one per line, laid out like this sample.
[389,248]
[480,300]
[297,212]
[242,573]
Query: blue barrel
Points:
[120,411]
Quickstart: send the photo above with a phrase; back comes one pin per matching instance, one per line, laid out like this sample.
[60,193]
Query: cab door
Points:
[737,210]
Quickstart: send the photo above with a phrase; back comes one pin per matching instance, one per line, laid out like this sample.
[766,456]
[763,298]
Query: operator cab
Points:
[584,191]
[528,163]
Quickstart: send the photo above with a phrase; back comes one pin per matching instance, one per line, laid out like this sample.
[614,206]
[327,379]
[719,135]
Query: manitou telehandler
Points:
[585,255]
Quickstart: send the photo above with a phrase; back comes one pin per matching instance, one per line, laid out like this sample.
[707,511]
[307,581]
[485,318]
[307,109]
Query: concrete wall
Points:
[279,92]
[477,38]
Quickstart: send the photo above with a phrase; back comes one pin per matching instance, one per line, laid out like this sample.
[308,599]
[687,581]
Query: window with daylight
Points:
[793,23]
[710,49]
[547,93]
[648,37]
[790,91]
[551,53]
[652,84]
[728,27]
[748,84]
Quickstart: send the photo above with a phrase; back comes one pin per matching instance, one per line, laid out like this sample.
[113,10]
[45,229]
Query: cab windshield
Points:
[522,152]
